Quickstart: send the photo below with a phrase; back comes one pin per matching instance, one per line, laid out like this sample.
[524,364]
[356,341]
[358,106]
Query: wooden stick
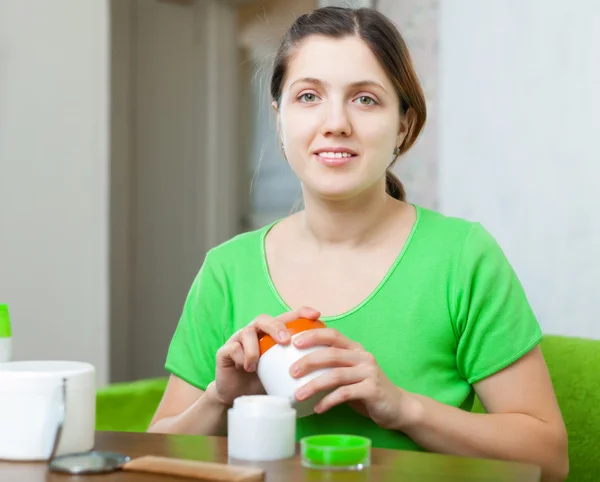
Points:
[194,469]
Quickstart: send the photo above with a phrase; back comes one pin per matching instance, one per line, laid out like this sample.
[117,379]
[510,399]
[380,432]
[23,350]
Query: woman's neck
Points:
[356,221]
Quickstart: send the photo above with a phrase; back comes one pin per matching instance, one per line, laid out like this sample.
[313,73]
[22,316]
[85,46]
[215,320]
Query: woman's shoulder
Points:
[440,220]
[438,224]
[456,236]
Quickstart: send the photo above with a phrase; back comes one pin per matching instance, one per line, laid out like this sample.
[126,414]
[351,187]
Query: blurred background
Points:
[137,134]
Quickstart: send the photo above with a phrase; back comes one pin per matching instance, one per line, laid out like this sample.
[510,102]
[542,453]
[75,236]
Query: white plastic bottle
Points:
[5,335]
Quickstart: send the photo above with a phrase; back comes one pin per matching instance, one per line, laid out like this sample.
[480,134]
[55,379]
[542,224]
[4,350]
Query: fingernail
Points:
[294,369]
[300,394]
[252,367]
[299,340]
[283,335]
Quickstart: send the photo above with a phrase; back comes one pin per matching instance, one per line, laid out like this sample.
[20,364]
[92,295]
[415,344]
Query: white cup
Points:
[30,408]
[274,368]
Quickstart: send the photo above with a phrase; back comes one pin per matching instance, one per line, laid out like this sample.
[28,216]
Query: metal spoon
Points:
[62,407]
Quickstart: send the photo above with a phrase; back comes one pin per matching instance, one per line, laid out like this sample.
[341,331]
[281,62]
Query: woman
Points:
[423,310]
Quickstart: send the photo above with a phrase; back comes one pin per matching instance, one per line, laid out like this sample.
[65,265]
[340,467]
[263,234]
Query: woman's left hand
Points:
[354,376]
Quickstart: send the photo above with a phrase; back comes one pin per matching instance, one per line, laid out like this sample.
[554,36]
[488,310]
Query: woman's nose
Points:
[336,121]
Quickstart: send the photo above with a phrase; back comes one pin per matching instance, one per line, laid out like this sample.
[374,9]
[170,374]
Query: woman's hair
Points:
[386,43]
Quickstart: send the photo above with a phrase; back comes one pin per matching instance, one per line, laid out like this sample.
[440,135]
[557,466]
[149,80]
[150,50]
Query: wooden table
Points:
[386,465]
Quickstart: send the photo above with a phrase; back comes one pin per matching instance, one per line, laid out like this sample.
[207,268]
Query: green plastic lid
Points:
[4,322]
[336,451]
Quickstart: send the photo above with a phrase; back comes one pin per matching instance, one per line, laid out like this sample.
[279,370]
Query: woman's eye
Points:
[308,97]
[366,100]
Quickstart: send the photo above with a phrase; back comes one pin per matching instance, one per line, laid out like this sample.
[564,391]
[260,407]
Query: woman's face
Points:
[339,117]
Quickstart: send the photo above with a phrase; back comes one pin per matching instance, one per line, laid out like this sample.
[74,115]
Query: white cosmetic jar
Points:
[274,367]
[261,428]
[31,397]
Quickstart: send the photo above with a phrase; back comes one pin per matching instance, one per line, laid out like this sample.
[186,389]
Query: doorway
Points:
[174,166]
[194,156]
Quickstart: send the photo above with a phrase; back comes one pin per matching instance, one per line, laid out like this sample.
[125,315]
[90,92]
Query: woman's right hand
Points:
[237,359]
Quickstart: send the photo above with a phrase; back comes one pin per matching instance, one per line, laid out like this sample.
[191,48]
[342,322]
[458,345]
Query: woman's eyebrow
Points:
[359,83]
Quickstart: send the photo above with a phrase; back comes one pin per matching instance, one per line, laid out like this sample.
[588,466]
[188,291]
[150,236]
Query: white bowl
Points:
[30,396]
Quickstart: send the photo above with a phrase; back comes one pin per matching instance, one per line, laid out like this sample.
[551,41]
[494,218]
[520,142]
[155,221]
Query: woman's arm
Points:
[523,422]
[186,409]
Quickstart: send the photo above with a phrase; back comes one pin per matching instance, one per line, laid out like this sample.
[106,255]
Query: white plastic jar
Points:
[261,428]
[274,367]
[30,399]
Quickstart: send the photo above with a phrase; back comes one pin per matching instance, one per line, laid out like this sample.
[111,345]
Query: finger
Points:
[326,336]
[237,355]
[275,327]
[302,312]
[231,354]
[278,323]
[260,326]
[249,342]
[346,393]
[334,378]
[236,336]
[325,358]
[265,324]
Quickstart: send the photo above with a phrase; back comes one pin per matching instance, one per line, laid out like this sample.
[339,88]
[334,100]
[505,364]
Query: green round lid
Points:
[4,322]
[336,451]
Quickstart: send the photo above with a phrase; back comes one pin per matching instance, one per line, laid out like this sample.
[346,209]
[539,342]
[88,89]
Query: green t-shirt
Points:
[449,312]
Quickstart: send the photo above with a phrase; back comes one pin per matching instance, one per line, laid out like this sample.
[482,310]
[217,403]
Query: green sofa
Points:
[574,365]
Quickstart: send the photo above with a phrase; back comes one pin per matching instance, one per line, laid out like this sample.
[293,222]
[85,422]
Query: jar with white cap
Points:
[5,335]
[261,428]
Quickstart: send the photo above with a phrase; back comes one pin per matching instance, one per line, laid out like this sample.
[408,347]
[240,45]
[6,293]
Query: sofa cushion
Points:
[574,365]
[128,407]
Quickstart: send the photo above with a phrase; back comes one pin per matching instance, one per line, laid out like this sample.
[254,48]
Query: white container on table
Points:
[30,408]
[5,335]
[261,428]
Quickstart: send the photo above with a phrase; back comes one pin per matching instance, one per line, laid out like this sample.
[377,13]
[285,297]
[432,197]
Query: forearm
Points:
[512,436]
[206,416]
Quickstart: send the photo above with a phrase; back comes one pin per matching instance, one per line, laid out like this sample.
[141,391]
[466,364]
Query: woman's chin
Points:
[335,192]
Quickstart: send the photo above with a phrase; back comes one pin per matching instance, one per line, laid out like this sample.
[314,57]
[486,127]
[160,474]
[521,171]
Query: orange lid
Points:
[297,326]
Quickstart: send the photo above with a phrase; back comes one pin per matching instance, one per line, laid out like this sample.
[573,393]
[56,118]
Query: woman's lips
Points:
[335,157]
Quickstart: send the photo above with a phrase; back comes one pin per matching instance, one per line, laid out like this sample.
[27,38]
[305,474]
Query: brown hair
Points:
[386,43]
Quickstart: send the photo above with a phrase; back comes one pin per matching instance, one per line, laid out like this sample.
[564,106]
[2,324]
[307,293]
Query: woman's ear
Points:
[277,121]
[275,107]
[406,124]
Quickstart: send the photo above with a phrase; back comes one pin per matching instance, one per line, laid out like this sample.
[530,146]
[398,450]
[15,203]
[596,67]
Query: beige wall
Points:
[519,144]
[54,178]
